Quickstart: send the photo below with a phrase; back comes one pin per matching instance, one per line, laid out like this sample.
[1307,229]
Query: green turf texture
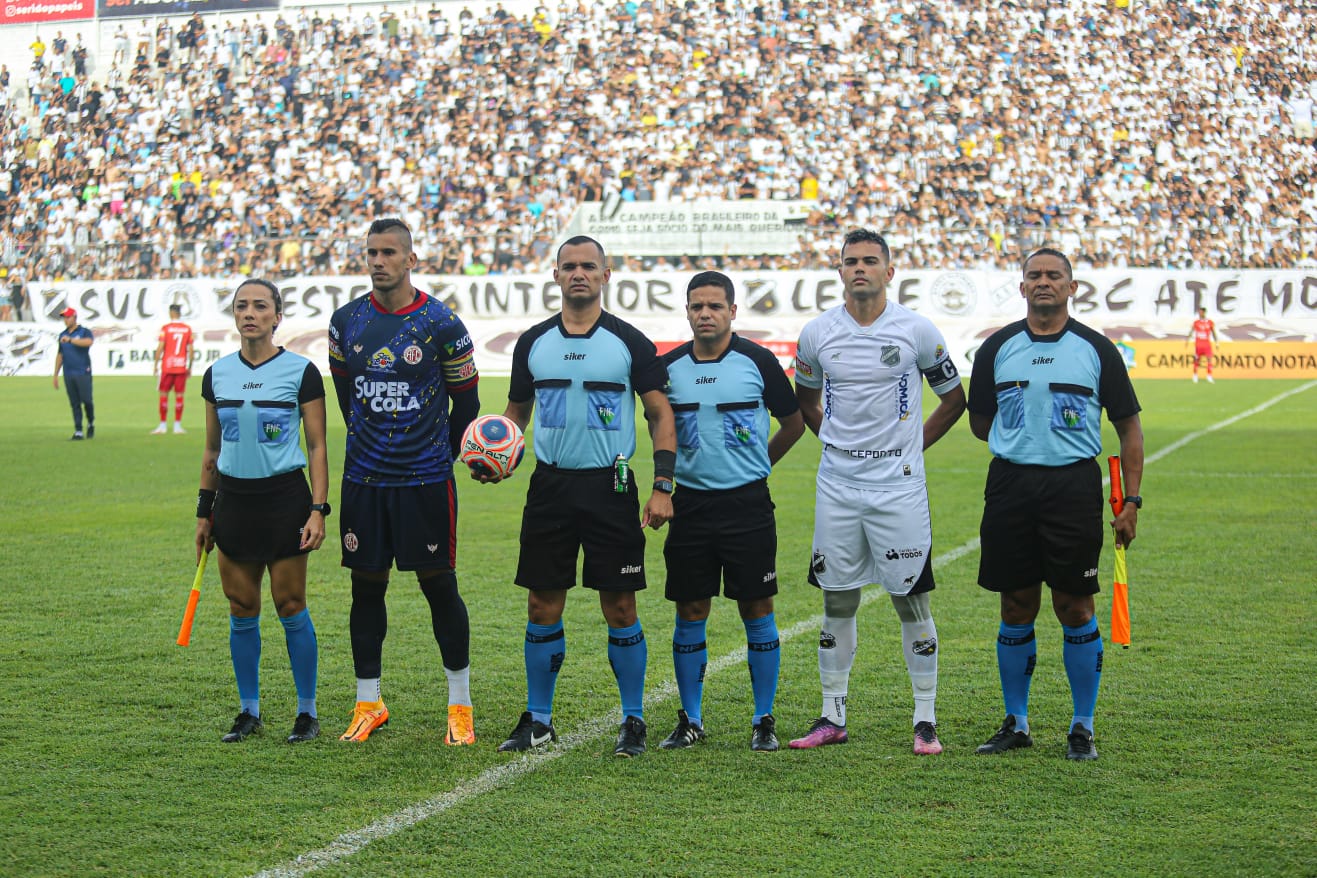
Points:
[1206,726]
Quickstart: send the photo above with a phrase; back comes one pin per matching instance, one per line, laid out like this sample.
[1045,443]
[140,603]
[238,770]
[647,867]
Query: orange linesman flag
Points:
[1120,595]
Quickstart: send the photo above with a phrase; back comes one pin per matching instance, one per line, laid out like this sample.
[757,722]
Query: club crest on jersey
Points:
[272,431]
[742,433]
[381,361]
[412,355]
[890,355]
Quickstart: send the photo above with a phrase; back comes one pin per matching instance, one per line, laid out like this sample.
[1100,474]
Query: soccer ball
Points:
[492,445]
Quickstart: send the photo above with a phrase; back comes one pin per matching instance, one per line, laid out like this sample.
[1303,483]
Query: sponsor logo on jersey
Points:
[770,576]
[707,379]
[893,554]
[350,542]
[903,397]
[631,568]
[890,354]
[1041,361]
[1070,416]
[412,355]
[742,433]
[1090,573]
[432,547]
[381,361]
[252,385]
[467,370]
[867,453]
[803,368]
[938,352]
[386,396]
[573,356]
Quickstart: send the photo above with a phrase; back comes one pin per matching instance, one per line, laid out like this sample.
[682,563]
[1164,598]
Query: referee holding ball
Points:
[254,503]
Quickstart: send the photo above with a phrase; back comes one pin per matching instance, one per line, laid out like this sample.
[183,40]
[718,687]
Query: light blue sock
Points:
[546,647]
[1017,651]
[628,654]
[764,656]
[1083,666]
[245,648]
[690,656]
[304,656]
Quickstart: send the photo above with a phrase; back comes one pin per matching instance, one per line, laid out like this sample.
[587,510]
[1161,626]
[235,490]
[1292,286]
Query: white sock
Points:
[919,641]
[835,661]
[368,690]
[459,686]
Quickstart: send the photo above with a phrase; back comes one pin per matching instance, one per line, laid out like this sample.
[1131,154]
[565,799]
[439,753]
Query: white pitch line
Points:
[354,841]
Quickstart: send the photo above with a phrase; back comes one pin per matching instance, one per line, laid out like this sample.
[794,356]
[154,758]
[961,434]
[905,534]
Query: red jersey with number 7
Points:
[177,340]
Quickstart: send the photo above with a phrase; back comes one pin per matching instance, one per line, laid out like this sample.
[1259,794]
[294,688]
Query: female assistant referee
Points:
[254,503]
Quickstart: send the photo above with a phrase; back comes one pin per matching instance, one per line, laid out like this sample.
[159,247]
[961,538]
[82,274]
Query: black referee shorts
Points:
[572,510]
[1041,524]
[261,520]
[721,537]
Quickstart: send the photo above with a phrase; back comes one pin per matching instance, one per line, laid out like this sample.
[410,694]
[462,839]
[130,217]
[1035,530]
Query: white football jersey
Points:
[873,422]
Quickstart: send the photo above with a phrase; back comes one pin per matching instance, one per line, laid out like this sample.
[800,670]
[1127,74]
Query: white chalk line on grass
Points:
[354,841]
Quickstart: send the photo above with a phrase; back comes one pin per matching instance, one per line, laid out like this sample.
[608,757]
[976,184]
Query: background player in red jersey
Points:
[173,362]
[1204,335]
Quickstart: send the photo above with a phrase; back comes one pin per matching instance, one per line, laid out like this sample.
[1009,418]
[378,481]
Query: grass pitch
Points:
[113,764]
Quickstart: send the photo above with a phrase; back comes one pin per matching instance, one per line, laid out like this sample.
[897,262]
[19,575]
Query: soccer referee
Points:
[1036,396]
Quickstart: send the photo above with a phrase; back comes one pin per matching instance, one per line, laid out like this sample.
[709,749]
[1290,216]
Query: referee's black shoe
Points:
[684,735]
[244,726]
[528,734]
[305,728]
[764,736]
[630,738]
[1079,744]
[1006,738]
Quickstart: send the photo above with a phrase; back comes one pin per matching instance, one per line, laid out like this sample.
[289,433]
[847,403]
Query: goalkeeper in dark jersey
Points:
[405,376]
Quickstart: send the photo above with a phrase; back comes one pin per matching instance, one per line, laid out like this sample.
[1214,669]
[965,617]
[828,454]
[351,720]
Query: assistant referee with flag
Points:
[1036,396]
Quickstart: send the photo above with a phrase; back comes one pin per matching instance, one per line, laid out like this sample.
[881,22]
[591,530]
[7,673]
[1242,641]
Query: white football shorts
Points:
[864,536]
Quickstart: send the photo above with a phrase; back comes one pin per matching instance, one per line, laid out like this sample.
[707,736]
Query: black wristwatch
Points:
[663,485]
[1136,500]
[323,508]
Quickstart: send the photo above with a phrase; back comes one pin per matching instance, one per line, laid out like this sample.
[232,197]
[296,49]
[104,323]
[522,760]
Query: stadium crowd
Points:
[1153,133]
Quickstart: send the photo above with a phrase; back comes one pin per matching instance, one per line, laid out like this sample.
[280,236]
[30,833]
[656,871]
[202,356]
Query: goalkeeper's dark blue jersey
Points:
[393,373]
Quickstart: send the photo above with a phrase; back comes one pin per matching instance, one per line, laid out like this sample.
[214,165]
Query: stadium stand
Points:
[1131,133]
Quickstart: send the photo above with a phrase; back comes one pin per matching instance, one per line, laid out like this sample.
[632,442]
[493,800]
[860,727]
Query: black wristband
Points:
[205,503]
[665,464]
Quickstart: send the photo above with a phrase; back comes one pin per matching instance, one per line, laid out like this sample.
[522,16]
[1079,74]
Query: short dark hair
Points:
[866,236]
[577,240]
[712,279]
[390,224]
[1049,251]
[176,309]
[261,282]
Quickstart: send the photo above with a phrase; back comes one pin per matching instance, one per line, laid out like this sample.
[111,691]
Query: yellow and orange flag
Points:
[1120,593]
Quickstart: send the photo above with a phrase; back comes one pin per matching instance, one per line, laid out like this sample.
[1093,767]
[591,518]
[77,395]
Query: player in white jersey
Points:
[858,369]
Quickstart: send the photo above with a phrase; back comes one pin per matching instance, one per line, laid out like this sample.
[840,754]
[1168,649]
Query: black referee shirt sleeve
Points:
[313,385]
